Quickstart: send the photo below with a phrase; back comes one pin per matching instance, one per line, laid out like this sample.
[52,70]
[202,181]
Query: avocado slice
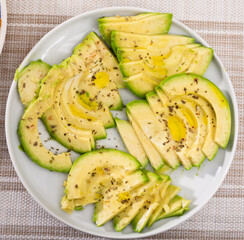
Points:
[29,80]
[210,147]
[88,51]
[144,195]
[165,115]
[176,206]
[159,67]
[131,141]
[153,155]
[154,130]
[167,194]
[28,131]
[102,161]
[116,197]
[190,83]
[147,23]
[161,43]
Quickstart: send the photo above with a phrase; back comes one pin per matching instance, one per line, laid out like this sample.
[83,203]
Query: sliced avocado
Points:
[151,23]
[28,131]
[131,141]
[167,194]
[162,43]
[73,116]
[29,80]
[153,155]
[78,140]
[194,84]
[141,219]
[82,102]
[88,51]
[95,161]
[210,147]
[165,116]
[201,61]
[143,115]
[175,205]
[135,54]
[116,197]
[142,194]
[140,84]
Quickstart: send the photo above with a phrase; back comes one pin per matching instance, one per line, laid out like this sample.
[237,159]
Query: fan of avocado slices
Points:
[146,23]
[73,100]
[120,190]
[146,60]
[185,120]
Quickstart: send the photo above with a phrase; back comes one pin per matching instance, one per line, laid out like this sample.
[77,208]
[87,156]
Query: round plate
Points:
[199,185]
[3,28]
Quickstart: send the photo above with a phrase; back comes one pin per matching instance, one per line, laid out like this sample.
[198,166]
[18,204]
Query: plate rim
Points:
[130,235]
[4,24]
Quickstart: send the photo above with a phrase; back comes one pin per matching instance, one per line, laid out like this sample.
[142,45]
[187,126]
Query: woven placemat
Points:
[220,23]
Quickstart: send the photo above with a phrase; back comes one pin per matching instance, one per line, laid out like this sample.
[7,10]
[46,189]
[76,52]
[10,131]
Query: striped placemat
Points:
[220,23]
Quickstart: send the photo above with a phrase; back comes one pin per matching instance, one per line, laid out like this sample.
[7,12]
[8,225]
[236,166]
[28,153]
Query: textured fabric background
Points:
[219,22]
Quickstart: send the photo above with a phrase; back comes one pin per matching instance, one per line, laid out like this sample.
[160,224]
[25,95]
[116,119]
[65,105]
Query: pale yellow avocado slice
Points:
[143,115]
[131,141]
[175,204]
[83,103]
[209,147]
[94,161]
[153,155]
[70,118]
[142,195]
[102,90]
[167,195]
[185,84]
[175,128]
[159,67]
[117,196]
[194,126]
[28,130]
[160,42]
[135,54]
[73,138]
[148,23]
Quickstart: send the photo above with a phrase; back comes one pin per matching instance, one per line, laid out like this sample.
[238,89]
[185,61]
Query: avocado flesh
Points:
[204,88]
[161,42]
[141,219]
[159,68]
[140,84]
[116,197]
[153,155]
[143,115]
[169,192]
[92,45]
[210,147]
[135,54]
[142,196]
[82,102]
[98,159]
[176,204]
[194,121]
[131,141]
[69,136]
[143,23]
[28,131]
[29,80]
[180,59]
[71,115]
[163,115]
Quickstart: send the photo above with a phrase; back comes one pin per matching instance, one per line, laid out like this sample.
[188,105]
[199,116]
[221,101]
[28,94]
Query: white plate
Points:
[199,185]
[3,28]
